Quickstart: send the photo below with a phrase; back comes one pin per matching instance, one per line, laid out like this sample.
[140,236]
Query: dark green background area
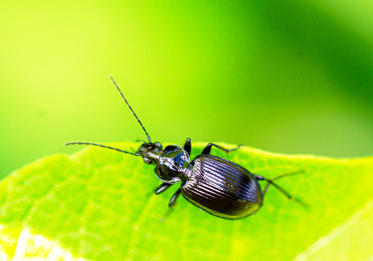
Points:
[289,76]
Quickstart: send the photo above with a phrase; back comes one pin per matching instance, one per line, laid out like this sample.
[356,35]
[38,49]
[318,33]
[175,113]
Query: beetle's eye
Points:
[158,145]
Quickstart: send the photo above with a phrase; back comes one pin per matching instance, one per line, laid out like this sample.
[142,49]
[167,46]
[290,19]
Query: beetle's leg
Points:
[283,191]
[258,177]
[207,149]
[270,182]
[175,196]
[188,146]
[288,174]
[162,188]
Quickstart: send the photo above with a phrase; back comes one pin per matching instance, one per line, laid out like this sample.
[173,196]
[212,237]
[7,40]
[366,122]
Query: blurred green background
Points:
[284,76]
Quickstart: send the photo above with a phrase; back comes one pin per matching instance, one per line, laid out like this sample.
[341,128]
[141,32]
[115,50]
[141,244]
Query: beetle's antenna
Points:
[100,145]
[129,106]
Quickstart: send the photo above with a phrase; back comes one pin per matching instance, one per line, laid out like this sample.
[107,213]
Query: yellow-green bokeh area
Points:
[284,76]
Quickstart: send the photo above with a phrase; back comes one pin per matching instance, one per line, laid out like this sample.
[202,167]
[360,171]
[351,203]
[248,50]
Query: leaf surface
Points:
[98,205]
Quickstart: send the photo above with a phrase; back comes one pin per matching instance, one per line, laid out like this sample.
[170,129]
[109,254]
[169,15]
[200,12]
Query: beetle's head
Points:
[172,164]
[150,152]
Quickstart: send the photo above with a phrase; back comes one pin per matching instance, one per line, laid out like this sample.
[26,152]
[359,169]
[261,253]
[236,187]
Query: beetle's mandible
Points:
[215,185]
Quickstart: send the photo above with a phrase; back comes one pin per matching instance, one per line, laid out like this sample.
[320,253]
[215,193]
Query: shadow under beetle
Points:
[215,185]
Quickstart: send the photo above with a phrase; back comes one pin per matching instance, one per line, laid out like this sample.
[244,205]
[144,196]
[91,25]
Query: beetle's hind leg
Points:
[207,149]
[283,191]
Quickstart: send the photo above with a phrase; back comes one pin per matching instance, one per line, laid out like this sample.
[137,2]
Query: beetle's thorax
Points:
[172,163]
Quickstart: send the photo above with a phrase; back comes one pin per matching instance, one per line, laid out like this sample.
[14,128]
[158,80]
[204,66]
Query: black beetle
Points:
[215,185]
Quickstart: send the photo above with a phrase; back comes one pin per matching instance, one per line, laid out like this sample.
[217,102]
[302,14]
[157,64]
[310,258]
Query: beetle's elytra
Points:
[215,185]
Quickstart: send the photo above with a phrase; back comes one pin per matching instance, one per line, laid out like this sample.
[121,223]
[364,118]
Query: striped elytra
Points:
[222,188]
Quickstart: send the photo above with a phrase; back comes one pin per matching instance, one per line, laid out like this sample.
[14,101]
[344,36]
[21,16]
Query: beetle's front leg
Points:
[207,149]
[175,196]
[162,188]
[188,146]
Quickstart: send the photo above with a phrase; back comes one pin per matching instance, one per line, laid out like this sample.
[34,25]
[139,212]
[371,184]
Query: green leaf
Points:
[98,204]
